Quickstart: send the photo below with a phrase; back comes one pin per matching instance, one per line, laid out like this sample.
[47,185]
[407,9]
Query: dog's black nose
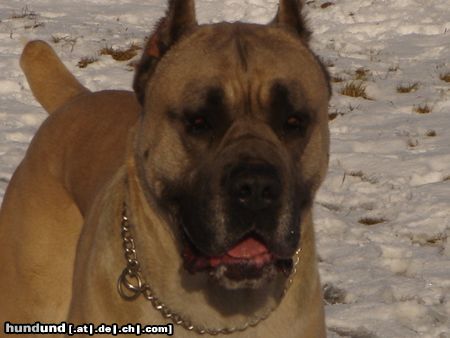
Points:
[254,186]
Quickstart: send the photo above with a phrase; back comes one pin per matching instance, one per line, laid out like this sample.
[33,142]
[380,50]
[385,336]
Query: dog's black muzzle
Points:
[253,188]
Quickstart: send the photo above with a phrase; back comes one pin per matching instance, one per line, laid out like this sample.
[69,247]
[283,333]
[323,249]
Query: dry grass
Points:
[333,295]
[66,39]
[28,14]
[371,220]
[433,240]
[355,89]
[57,39]
[407,88]
[431,133]
[412,143]
[437,239]
[336,79]
[121,54]
[358,173]
[445,77]
[394,68]
[34,25]
[362,74]
[326,5]
[332,116]
[25,13]
[86,61]
[422,109]
[132,65]
[364,178]
[329,63]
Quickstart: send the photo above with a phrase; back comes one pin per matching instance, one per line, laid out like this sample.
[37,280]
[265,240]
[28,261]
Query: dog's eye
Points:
[197,125]
[296,124]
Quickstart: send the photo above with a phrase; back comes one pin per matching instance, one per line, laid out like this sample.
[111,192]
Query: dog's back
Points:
[45,216]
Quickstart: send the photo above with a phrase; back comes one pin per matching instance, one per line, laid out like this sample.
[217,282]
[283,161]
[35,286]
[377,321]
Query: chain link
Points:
[131,285]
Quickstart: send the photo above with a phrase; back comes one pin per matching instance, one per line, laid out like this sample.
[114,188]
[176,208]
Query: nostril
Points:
[268,194]
[244,193]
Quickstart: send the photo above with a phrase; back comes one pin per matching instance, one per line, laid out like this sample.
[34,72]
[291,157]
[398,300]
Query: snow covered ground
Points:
[383,214]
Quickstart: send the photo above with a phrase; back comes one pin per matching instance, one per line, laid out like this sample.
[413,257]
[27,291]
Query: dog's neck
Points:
[159,253]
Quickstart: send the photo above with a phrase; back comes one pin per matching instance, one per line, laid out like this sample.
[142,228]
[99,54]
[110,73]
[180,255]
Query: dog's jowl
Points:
[188,201]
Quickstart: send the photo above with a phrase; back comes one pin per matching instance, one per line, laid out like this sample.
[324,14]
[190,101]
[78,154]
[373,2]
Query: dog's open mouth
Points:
[248,261]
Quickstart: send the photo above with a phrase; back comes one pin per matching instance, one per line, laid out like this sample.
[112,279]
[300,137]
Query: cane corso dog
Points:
[188,201]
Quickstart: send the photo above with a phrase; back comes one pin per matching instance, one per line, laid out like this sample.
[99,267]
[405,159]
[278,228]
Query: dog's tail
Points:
[50,81]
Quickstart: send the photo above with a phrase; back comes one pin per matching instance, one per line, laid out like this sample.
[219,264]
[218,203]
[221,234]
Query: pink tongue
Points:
[248,248]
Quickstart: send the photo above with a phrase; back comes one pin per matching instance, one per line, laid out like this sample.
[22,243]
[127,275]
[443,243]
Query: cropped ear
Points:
[180,18]
[290,16]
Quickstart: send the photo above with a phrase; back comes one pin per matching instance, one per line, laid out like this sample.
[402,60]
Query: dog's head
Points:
[233,141]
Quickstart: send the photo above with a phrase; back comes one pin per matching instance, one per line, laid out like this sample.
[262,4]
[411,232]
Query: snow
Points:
[383,214]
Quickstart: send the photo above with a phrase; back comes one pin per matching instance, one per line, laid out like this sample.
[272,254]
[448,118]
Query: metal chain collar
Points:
[131,285]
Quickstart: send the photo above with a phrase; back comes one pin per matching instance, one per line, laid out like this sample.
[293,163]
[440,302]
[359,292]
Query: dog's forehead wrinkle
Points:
[243,45]
[245,129]
[198,91]
[243,53]
[207,99]
[242,49]
[288,91]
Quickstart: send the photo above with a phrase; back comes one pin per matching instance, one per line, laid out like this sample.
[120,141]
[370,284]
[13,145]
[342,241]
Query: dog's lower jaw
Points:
[176,287]
[223,276]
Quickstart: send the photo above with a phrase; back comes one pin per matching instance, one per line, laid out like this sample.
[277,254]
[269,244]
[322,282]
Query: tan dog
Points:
[206,181]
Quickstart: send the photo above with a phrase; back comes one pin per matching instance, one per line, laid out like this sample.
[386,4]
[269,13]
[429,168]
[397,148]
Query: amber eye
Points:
[296,123]
[197,125]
